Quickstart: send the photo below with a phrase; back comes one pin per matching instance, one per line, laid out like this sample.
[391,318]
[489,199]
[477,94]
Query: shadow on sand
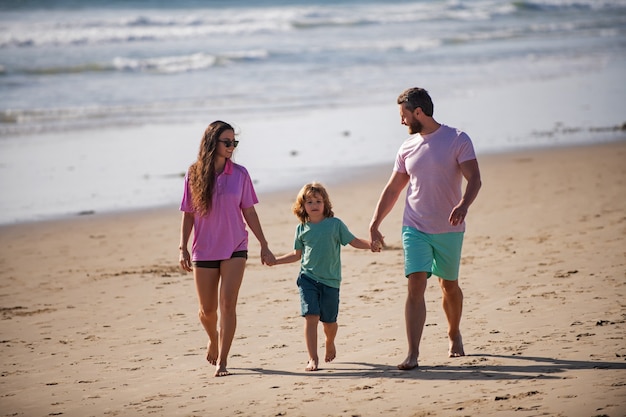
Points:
[523,367]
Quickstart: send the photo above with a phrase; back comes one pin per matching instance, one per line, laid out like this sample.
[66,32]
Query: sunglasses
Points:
[229,143]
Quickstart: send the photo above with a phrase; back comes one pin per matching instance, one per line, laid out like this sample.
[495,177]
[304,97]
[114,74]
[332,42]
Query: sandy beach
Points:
[97,319]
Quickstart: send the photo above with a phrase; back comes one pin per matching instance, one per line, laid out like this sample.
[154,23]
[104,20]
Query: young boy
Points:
[318,241]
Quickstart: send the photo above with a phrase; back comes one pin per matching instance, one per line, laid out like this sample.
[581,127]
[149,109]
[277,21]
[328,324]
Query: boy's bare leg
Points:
[207,283]
[452,301]
[330,330]
[310,336]
[232,276]
[415,317]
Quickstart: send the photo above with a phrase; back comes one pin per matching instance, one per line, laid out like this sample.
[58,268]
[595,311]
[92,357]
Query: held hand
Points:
[377,240]
[458,215]
[267,257]
[185,261]
[376,246]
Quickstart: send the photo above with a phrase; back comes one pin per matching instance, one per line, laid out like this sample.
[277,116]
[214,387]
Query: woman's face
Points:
[222,150]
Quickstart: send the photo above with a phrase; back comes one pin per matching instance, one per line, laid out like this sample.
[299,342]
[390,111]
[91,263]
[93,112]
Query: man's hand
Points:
[458,215]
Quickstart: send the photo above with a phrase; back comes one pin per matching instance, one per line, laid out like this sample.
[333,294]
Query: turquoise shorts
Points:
[436,254]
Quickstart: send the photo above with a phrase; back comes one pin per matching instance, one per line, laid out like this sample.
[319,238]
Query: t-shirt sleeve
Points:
[186,204]
[466,149]
[297,242]
[399,165]
[248,195]
[345,236]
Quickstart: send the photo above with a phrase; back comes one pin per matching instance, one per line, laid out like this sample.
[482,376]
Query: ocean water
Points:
[103,103]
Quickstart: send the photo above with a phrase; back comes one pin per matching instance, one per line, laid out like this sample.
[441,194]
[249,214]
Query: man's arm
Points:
[471,172]
[397,182]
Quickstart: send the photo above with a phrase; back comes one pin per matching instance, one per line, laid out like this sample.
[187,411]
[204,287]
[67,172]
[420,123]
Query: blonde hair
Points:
[307,191]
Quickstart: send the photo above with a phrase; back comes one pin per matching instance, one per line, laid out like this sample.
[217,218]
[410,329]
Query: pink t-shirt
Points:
[432,162]
[223,231]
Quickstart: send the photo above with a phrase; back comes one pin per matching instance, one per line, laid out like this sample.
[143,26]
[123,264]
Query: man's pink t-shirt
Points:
[222,231]
[432,162]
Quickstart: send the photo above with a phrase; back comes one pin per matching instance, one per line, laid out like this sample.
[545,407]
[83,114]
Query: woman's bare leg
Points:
[231,271]
[207,283]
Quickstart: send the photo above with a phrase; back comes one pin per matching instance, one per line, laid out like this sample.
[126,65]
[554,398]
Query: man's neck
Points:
[430,127]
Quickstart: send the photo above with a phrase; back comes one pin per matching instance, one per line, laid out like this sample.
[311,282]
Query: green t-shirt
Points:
[321,249]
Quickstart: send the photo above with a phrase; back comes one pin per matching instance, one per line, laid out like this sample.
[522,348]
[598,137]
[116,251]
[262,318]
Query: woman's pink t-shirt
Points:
[222,231]
[433,164]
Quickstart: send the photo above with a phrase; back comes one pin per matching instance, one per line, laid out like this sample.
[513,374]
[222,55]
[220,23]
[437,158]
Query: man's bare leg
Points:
[452,301]
[330,330]
[310,336]
[415,317]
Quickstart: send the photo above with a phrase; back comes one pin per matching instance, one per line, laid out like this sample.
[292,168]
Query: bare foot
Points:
[211,353]
[311,366]
[456,347]
[331,352]
[221,371]
[408,364]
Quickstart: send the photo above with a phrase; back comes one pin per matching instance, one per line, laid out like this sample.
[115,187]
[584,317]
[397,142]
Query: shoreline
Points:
[135,167]
[98,319]
[338,178]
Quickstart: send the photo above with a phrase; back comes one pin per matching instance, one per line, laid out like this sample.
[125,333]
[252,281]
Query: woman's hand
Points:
[185,260]
[267,257]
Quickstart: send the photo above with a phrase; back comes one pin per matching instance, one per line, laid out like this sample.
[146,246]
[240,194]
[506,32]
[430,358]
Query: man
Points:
[433,162]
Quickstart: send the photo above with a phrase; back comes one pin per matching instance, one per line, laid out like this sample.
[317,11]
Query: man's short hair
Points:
[415,97]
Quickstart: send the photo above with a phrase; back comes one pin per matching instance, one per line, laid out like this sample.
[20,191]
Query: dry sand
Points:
[97,320]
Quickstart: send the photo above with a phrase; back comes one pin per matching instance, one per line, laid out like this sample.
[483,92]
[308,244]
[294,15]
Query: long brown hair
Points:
[202,172]
[308,191]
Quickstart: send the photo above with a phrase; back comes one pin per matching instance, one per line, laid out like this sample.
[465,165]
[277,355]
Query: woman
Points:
[218,196]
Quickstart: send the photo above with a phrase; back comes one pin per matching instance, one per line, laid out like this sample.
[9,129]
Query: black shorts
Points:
[216,264]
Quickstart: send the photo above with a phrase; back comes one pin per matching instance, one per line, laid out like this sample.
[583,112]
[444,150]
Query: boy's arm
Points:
[287,258]
[361,244]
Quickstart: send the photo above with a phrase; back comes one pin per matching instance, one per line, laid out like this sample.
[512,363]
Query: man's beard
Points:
[415,127]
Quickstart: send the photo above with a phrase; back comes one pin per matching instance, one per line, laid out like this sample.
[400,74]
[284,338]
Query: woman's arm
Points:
[252,219]
[185,232]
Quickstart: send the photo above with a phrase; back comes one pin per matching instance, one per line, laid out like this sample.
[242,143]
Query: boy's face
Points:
[314,206]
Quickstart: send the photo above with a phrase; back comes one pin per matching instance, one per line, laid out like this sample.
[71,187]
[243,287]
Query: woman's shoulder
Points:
[240,169]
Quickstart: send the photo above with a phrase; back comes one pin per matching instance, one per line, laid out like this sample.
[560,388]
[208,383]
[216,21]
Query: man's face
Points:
[409,119]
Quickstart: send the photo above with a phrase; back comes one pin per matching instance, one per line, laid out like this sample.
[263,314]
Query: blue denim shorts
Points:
[436,254]
[318,299]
